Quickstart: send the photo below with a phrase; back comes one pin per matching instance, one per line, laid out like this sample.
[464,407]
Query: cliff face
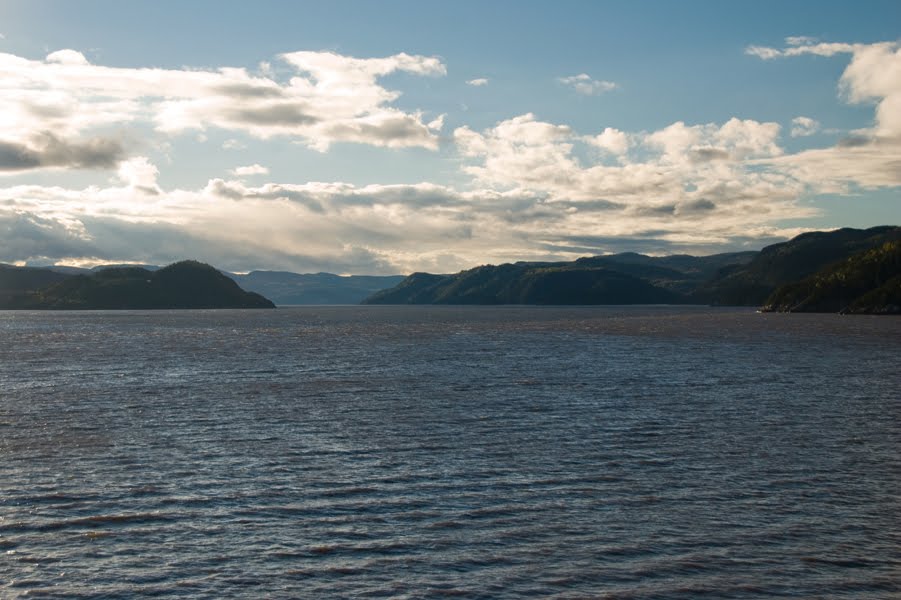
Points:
[187,284]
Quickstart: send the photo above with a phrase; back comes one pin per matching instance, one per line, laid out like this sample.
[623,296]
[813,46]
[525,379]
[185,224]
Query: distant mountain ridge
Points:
[848,270]
[285,288]
[562,283]
[736,279]
[627,278]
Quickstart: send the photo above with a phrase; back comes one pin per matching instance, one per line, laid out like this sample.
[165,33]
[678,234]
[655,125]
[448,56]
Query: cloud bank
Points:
[58,112]
[529,188]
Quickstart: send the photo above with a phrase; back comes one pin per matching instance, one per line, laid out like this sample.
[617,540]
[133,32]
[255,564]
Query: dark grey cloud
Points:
[854,141]
[589,205]
[656,211]
[702,205]
[25,236]
[224,190]
[48,150]
[44,111]
[547,216]
[17,157]
[247,91]
[708,155]
[292,195]
[398,130]
[274,192]
[409,196]
[272,115]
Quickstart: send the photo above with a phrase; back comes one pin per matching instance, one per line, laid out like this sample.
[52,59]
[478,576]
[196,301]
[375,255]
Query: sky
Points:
[391,137]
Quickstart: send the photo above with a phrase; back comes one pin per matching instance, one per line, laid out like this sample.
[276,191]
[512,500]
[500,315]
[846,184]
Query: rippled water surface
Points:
[422,452]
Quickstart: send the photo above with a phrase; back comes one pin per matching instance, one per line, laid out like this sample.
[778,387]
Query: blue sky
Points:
[387,137]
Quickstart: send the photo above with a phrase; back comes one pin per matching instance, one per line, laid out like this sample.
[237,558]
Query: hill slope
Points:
[16,281]
[790,261]
[738,279]
[680,273]
[563,283]
[187,284]
[867,282]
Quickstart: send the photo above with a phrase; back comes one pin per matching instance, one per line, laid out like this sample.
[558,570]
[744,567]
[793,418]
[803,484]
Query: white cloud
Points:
[735,140]
[331,98]
[436,124]
[139,173]
[763,52]
[873,75]
[871,157]
[856,162]
[67,57]
[799,46]
[611,140]
[587,86]
[233,144]
[519,151]
[804,127]
[539,190]
[374,228]
[249,170]
[800,40]
[677,177]
[477,82]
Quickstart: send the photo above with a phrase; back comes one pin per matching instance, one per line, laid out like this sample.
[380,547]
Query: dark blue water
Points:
[422,452]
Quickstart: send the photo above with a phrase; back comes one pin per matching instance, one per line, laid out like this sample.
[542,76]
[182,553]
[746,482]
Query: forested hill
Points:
[848,270]
[627,278]
[15,281]
[868,282]
[527,284]
[186,284]
[789,262]
[737,279]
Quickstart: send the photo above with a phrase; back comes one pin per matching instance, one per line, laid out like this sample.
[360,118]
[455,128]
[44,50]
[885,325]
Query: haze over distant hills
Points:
[846,270]
[285,288]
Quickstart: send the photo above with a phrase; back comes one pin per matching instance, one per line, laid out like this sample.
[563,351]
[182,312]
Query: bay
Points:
[479,452]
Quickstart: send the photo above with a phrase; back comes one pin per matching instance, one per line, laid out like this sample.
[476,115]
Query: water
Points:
[423,452]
